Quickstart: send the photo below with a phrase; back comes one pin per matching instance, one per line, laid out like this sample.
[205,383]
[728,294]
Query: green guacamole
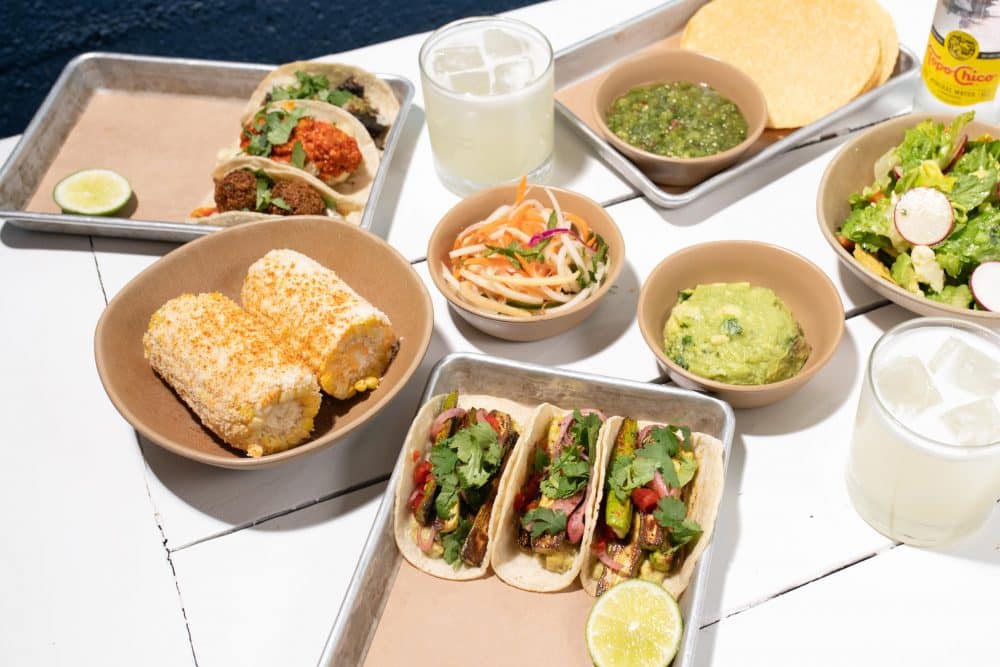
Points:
[735,333]
[677,119]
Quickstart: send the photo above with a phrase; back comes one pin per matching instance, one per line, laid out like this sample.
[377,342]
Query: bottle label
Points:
[956,72]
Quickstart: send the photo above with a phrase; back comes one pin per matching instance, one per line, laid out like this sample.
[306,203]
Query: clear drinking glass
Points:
[488,95]
[924,464]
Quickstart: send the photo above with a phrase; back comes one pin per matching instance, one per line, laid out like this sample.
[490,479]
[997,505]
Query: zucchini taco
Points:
[454,457]
[656,505]
[253,188]
[548,505]
[361,93]
[320,139]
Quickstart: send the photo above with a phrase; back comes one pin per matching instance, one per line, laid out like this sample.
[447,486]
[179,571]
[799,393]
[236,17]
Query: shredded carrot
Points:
[517,249]
[522,188]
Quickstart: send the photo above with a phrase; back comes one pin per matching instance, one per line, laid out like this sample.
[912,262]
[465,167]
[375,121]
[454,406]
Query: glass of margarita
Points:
[924,465]
[488,96]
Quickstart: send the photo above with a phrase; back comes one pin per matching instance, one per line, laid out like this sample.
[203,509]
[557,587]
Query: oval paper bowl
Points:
[219,262]
[852,169]
[805,289]
[478,207]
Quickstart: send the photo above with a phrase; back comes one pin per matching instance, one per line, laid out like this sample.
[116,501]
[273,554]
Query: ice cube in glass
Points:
[966,367]
[500,44]
[474,83]
[974,424]
[452,59]
[906,385]
[512,76]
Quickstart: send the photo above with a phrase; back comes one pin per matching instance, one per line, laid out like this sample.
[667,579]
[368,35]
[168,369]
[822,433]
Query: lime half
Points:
[92,192]
[635,624]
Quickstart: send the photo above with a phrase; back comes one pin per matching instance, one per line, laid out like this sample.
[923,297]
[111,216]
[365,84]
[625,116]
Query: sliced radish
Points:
[985,284]
[897,171]
[923,216]
[959,150]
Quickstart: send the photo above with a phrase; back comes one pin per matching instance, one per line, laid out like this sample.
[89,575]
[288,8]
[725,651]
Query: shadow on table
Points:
[757,179]
[570,153]
[983,545]
[253,498]
[814,402]
[605,325]
[398,168]
[724,541]
[133,246]
[18,238]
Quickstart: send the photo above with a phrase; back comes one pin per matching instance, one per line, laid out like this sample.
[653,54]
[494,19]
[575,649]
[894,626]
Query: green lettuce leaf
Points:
[953,295]
[869,226]
[927,174]
[977,242]
[904,274]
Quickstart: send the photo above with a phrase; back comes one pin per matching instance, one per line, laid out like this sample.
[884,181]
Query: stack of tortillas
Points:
[810,57]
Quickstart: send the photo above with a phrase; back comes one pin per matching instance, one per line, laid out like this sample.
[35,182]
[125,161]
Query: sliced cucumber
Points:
[923,216]
[92,192]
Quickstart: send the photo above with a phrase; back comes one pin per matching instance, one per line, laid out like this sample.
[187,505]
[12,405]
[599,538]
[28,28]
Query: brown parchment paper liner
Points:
[417,439]
[164,144]
[703,503]
[510,563]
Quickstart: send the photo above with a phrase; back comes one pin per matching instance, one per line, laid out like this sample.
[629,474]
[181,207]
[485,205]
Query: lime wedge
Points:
[92,192]
[636,624]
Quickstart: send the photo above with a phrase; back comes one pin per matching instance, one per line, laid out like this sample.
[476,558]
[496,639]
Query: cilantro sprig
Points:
[453,541]
[467,460]
[515,252]
[312,87]
[264,198]
[568,474]
[543,520]
[660,452]
[671,513]
[270,128]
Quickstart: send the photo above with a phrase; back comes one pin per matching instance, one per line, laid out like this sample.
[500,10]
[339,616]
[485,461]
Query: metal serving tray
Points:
[599,52]
[55,120]
[365,599]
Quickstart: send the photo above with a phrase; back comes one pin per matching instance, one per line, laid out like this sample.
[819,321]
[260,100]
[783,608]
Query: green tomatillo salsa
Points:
[677,119]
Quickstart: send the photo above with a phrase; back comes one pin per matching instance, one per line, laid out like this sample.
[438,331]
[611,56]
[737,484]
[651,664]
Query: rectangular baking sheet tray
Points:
[357,627]
[583,62]
[128,98]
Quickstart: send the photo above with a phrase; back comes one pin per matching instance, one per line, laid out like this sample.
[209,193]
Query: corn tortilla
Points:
[809,57]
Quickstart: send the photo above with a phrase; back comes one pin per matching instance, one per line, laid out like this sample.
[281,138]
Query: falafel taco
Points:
[547,518]
[253,188]
[322,140]
[453,460]
[656,505]
[357,91]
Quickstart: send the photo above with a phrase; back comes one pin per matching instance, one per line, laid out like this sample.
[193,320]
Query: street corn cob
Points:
[344,340]
[250,391]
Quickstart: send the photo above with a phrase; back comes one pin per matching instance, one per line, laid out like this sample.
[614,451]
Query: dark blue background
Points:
[38,38]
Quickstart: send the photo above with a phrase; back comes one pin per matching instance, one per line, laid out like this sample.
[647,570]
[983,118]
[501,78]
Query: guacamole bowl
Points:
[668,66]
[801,286]
[851,170]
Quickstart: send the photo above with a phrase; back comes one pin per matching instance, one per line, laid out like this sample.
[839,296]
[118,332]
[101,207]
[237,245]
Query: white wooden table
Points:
[114,552]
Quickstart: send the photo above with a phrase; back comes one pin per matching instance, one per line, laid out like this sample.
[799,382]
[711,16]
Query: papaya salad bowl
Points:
[525,262]
[912,207]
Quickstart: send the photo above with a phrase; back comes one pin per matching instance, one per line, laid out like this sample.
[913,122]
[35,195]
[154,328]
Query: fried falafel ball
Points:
[300,198]
[237,191]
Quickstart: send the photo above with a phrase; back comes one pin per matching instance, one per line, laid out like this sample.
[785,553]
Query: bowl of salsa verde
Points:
[678,115]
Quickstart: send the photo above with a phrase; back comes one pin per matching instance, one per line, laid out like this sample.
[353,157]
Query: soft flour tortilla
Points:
[703,504]
[377,92]
[351,194]
[418,439]
[524,570]
[276,171]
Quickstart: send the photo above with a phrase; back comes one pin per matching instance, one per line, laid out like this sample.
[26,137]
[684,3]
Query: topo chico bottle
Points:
[961,66]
